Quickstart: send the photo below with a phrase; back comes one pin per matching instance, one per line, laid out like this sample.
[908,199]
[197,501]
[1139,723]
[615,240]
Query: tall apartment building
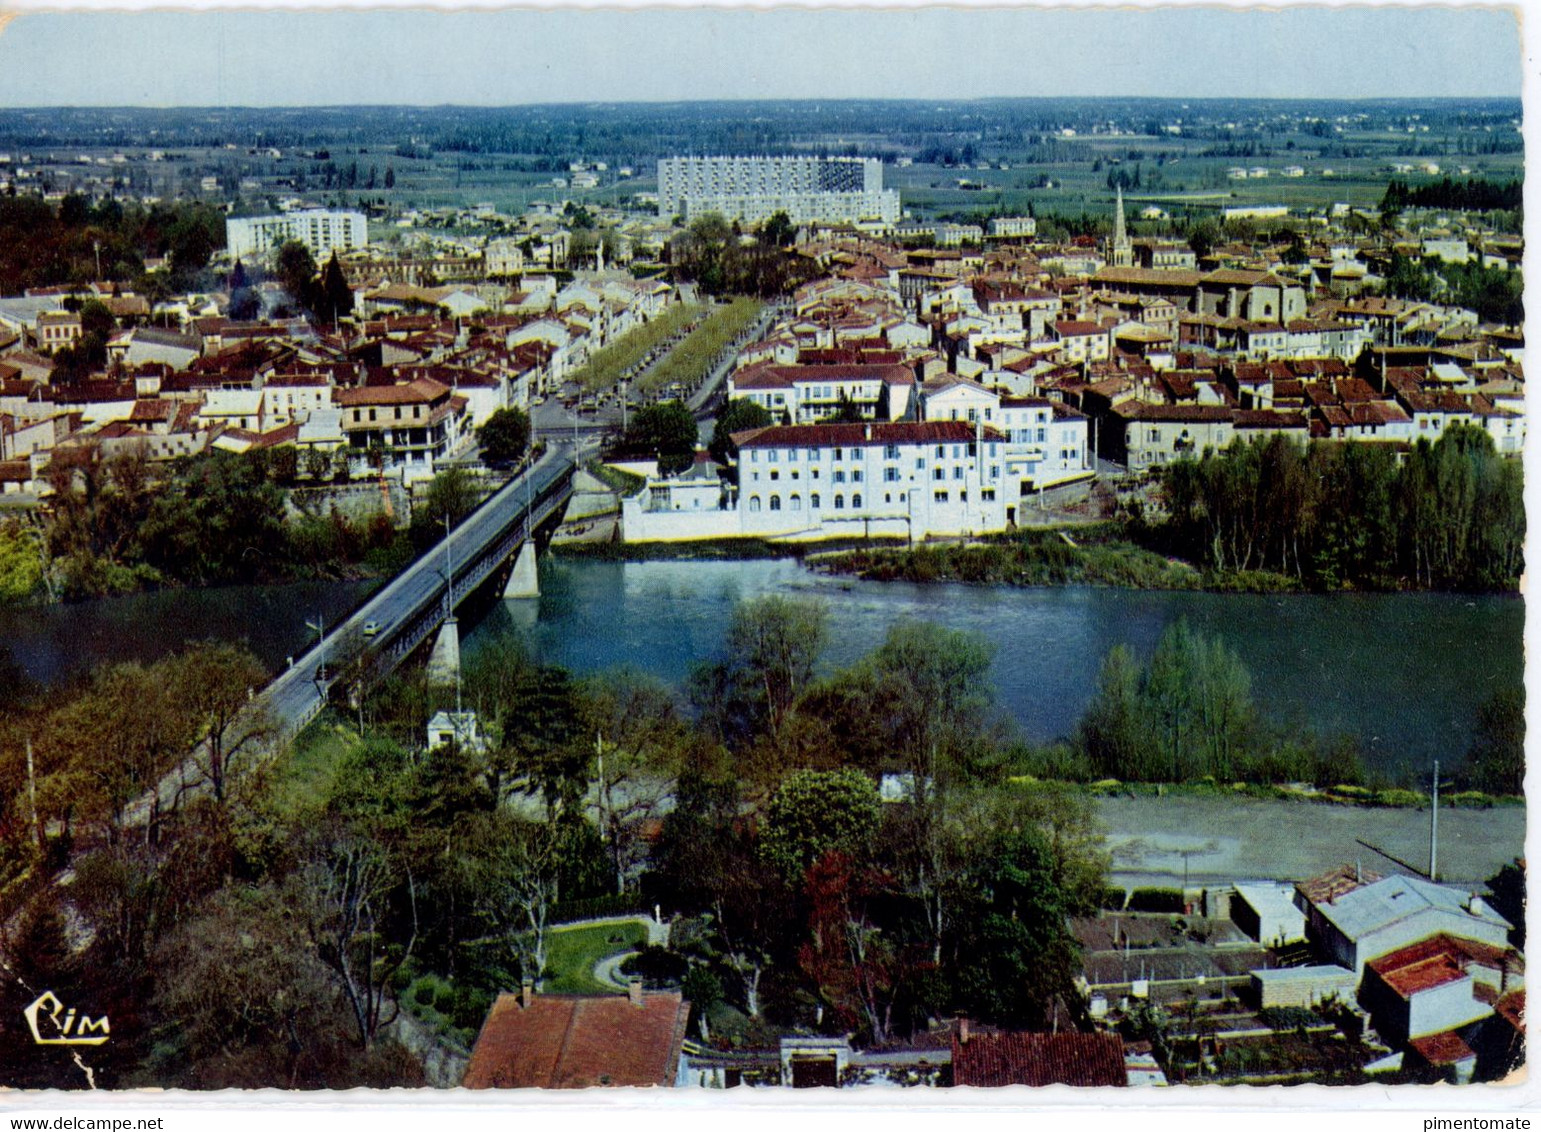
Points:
[753,189]
[321,230]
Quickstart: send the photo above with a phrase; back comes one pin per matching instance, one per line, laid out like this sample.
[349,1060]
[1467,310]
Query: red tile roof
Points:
[1511,1008]
[578,1041]
[1084,1060]
[419,391]
[1442,1049]
[857,435]
[1339,882]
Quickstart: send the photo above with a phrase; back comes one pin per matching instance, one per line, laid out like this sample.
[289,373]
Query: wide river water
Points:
[1404,672]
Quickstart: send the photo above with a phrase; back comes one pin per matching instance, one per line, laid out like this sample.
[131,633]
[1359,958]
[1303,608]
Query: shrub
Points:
[444,999]
[658,967]
[1156,900]
[424,994]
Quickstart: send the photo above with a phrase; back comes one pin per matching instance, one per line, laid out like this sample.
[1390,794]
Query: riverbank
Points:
[715,550]
[1388,797]
[1097,554]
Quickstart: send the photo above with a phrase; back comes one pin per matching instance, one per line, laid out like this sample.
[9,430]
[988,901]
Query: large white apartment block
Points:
[321,230]
[753,189]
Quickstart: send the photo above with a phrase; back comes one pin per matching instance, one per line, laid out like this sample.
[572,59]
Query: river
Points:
[1403,672]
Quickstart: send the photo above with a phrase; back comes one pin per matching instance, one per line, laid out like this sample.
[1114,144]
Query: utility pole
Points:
[1434,828]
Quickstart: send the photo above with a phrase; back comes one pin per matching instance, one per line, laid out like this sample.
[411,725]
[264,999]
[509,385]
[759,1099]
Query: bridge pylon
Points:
[444,660]
[523,580]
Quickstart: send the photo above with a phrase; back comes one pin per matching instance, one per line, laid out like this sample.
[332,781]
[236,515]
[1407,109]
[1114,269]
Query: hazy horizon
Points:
[289,59]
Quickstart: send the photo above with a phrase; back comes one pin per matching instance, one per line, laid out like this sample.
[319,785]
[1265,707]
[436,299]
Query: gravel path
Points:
[1242,839]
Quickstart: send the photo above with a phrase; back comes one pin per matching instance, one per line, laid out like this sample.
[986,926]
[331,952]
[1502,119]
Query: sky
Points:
[489,57]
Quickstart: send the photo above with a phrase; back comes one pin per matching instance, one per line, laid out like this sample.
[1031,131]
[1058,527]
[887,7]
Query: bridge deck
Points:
[411,607]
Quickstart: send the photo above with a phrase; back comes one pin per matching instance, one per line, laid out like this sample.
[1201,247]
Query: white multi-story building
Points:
[906,479]
[323,231]
[753,189]
[1007,227]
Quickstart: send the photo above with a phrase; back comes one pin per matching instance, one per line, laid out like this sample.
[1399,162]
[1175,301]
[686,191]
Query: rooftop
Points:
[579,1041]
[1070,1058]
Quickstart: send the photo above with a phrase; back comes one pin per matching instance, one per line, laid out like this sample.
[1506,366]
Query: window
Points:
[890,475]
[398,412]
[774,456]
[856,475]
[920,463]
[891,452]
[813,474]
[940,497]
[754,503]
[775,475]
[840,453]
[1042,435]
[795,503]
[973,415]
[856,500]
[839,475]
[839,503]
[941,450]
[775,503]
[989,494]
[371,416]
[358,415]
[957,473]
[813,502]
[754,457]
[957,451]
[939,473]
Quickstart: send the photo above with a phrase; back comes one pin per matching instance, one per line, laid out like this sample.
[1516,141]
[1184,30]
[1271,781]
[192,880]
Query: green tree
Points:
[778,231]
[334,298]
[737,415]
[1495,762]
[1016,955]
[666,431]
[297,272]
[772,645]
[1115,732]
[505,437]
[815,812]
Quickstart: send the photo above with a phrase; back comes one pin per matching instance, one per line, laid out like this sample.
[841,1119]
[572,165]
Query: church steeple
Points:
[1120,250]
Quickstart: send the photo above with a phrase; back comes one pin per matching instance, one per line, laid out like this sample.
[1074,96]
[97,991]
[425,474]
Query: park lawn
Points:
[572,952]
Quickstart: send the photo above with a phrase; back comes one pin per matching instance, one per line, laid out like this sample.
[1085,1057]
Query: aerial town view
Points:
[750,579]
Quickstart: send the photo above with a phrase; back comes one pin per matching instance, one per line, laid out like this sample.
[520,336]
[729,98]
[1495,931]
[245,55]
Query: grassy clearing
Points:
[619,481]
[304,773]
[572,952]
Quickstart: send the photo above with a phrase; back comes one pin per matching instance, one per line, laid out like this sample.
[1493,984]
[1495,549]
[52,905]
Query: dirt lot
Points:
[1244,839]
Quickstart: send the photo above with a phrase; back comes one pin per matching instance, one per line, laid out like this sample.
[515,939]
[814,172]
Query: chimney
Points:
[526,993]
[634,990]
[869,432]
[962,1030]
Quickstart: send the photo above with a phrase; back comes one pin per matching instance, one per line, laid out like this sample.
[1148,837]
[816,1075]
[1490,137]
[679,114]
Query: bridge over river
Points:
[402,615]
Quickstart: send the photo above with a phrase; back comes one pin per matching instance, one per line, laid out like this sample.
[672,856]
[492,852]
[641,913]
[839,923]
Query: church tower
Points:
[1120,250]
